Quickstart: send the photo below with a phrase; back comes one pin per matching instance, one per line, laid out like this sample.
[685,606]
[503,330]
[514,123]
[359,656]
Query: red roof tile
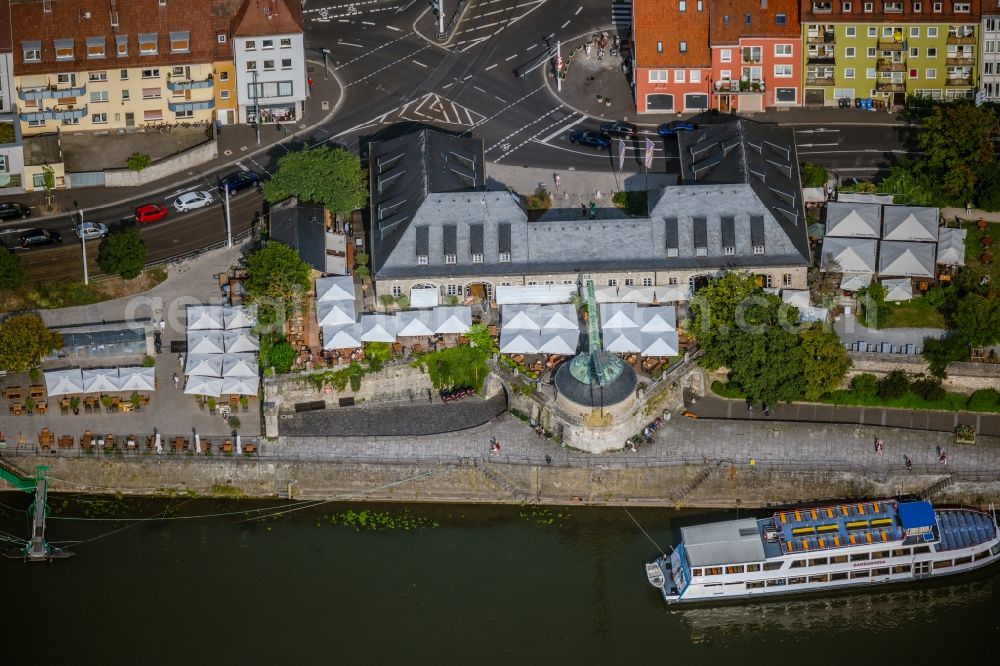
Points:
[268,17]
[836,13]
[729,19]
[662,21]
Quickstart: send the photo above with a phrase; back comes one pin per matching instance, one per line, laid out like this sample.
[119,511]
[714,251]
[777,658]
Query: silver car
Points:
[192,200]
[91,230]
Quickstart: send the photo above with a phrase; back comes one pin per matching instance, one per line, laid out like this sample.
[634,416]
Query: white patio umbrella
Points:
[345,336]
[134,378]
[619,315]
[622,340]
[205,318]
[520,342]
[239,445]
[204,365]
[559,341]
[378,328]
[457,319]
[210,386]
[239,365]
[197,442]
[238,317]
[671,294]
[239,385]
[205,342]
[643,295]
[64,382]
[240,340]
[158,444]
[415,323]
[335,314]
[100,380]
[606,294]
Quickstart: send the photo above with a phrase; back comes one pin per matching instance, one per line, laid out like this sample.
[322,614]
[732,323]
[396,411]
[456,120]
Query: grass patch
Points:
[7,133]
[59,293]
[915,313]
[974,249]
[221,490]
[635,204]
[952,402]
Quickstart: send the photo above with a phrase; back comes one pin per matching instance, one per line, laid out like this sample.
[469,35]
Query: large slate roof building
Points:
[435,225]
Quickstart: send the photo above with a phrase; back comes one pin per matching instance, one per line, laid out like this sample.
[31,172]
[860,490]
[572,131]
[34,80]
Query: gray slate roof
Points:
[910,223]
[300,226]
[900,258]
[719,544]
[853,220]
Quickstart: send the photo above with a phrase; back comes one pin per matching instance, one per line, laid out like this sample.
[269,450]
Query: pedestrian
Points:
[555,177]
[908,462]
[593,210]
[163,326]
[180,360]
[311,83]
[943,457]
[968,208]
[498,448]
[177,381]
[583,210]
[548,460]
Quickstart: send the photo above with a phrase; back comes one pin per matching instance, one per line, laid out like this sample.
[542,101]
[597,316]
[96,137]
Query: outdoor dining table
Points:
[36,391]
[45,438]
[179,444]
[227,446]
[66,442]
[14,394]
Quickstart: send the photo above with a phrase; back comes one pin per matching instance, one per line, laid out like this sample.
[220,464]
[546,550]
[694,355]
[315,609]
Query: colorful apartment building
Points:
[11,150]
[989,55]
[889,49]
[673,59]
[756,54]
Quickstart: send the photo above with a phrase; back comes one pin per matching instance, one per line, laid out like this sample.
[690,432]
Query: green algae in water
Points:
[543,516]
[380,520]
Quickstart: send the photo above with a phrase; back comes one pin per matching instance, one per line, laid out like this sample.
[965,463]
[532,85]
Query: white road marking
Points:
[391,64]
[467,77]
[563,128]
[533,46]
[578,10]
[564,25]
[405,7]
[417,62]
[479,89]
[473,42]
[510,57]
[524,127]
[367,23]
[529,139]
[392,27]
[377,48]
[502,100]
[489,68]
[816,145]
[349,44]
[509,106]
[817,130]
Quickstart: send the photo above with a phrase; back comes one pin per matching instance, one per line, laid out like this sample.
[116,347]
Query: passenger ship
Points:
[823,548]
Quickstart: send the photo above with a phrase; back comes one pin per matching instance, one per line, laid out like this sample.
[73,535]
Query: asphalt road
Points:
[488,82]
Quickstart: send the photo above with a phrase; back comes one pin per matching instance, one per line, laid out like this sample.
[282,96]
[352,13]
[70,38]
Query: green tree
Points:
[276,280]
[122,252]
[958,151]
[871,301]
[940,353]
[893,385]
[361,269]
[824,361]
[479,336]
[813,175]
[714,309]
[25,341]
[377,354]
[138,161]
[324,175]
[11,271]
[764,357]
[282,357]
[977,320]
[48,179]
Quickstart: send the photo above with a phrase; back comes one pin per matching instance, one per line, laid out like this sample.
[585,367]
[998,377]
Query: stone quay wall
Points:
[962,377]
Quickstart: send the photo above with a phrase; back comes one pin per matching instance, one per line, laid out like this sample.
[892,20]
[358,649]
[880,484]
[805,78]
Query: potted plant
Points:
[136,400]
[234,423]
[74,404]
[965,434]
[211,405]
[106,401]
[245,403]
[201,402]
[29,405]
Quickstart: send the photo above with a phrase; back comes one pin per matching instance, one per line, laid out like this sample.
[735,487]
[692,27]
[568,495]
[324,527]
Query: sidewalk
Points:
[236,143]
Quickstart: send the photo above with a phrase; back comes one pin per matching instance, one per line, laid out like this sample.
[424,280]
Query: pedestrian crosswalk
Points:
[621,13]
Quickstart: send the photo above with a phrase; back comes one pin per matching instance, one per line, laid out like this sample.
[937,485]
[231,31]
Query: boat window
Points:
[839,576]
[921,549]
[963,560]
[880,554]
[818,562]
[983,554]
[798,563]
[734,585]
[838,559]
[695,572]
[822,578]
[772,566]
[734,569]
[755,584]
[882,571]
[901,569]
[859,574]
[900,552]
[774,582]
[858,557]
[942,564]
[753,567]
[713,584]
[797,580]
[713,571]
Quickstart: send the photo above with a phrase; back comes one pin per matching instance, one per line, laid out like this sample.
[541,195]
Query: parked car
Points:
[590,138]
[150,213]
[675,126]
[91,230]
[193,200]
[619,128]
[238,180]
[38,237]
[10,210]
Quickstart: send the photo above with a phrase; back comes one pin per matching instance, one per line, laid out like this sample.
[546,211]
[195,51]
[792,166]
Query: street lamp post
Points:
[440,4]
[83,242]
[326,60]
[256,106]
[229,225]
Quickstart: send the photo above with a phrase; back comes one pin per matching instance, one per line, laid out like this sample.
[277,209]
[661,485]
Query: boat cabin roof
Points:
[717,544]
[836,526]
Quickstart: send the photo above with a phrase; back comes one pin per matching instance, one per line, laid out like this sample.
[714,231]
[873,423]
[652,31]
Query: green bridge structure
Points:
[36,549]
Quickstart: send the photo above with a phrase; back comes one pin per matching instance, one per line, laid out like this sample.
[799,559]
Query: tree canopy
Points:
[276,280]
[123,252]
[713,309]
[25,341]
[11,271]
[824,361]
[328,176]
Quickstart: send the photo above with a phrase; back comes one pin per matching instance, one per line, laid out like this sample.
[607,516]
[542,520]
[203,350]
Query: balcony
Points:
[69,114]
[954,81]
[35,115]
[819,81]
[825,37]
[191,106]
[820,59]
[890,86]
[191,85]
[960,59]
[955,38]
[38,94]
[737,86]
[890,44]
[890,65]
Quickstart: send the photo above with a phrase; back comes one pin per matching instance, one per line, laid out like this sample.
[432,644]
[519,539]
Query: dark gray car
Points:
[37,237]
[11,210]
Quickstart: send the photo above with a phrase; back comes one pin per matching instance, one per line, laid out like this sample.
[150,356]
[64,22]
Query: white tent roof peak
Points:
[561,316]
[798,298]
[520,317]
[606,295]
[559,341]
[642,295]
[64,382]
[240,340]
[849,255]
[240,385]
[619,315]
[100,380]
[855,281]
[910,223]
[657,319]
[345,336]
[906,259]
[205,342]
[205,318]
[239,365]
[662,343]
[335,289]
[204,365]
[898,289]
[520,341]
[239,317]
[335,313]
[452,319]
[853,220]
[622,340]
[136,378]
[378,328]
[210,386]
[951,246]
[415,323]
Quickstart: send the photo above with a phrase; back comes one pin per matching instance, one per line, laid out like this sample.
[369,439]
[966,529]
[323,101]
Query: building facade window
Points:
[629,282]
[725,55]
[286,42]
[99,118]
[786,279]
[421,260]
[151,73]
[647,282]
[477,258]
[678,76]
[612,282]
[783,71]
[450,259]
[658,76]
[397,291]
[504,257]
[783,50]
[98,96]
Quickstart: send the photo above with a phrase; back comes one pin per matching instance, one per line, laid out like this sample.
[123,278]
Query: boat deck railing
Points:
[837,526]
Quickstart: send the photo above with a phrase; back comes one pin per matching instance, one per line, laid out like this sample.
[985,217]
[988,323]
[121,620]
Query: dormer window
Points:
[180,42]
[893,7]
[822,7]
[64,49]
[758,249]
[421,260]
[32,51]
[250,45]
[147,43]
[504,257]
[95,47]
[121,45]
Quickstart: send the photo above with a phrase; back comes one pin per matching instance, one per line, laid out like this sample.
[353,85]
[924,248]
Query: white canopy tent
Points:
[853,220]
[240,385]
[335,289]
[951,246]
[622,340]
[559,317]
[64,382]
[344,336]
[849,255]
[205,342]
[619,315]
[204,365]
[335,314]
[210,386]
[657,319]
[559,341]
[798,298]
[239,317]
[855,281]
[424,297]
[378,328]
[663,343]
[898,290]
[641,295]
[205,318]
[539,293]
[415,323]
[100,380]
[521,317]
[910,223]
[452,319]
[239,365]
[672,294]
[240,340]
[520,341]
[906,259]
[136,378]
[606,294]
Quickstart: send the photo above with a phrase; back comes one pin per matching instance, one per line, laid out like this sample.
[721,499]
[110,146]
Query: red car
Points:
[149,213]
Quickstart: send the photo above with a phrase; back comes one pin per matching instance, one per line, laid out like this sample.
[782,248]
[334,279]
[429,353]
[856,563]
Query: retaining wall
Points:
[188,159]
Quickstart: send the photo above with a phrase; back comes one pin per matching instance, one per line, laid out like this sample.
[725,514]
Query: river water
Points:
[439,585]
